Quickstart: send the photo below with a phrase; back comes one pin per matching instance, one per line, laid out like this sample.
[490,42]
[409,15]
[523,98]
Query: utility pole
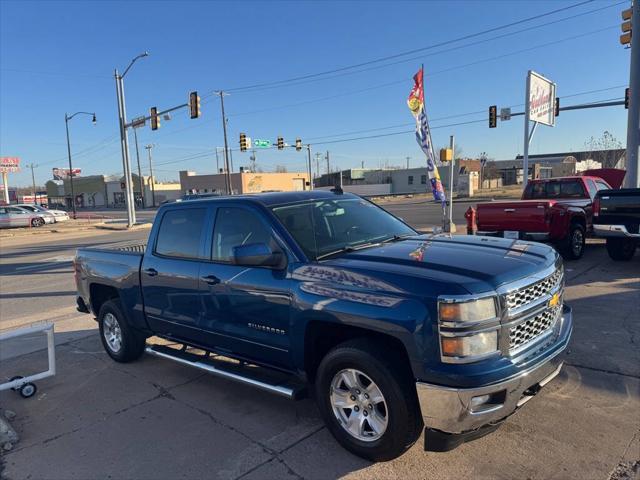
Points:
[33,180]
[153,180]
[632,178]
[140,181]
[309,167]
[217,162]
[408,158]
[318,156]
[226,145]
[327,159]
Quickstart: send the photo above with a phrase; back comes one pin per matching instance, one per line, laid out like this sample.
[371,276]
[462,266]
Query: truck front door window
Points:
[235,227]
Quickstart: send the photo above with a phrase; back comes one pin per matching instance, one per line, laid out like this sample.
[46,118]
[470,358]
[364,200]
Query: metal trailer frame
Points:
[18,383]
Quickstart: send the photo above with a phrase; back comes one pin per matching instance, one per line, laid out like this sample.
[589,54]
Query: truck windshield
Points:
[323,227]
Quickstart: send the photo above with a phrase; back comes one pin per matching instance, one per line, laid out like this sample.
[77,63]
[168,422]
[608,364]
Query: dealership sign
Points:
[9,164]
[541,95]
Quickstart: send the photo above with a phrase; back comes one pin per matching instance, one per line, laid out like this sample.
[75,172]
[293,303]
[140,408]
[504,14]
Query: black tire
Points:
[132,342]
[621,249]
[572,247]
[28,390]
[393,378]
[37,222]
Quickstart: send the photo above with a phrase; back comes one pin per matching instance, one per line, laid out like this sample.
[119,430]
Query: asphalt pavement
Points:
[155,419]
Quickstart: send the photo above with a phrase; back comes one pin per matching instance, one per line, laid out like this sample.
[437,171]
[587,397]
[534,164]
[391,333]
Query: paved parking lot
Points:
[155,419]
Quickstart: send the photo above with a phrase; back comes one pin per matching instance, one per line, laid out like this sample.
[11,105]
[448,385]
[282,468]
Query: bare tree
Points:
[281,169]
[599,149]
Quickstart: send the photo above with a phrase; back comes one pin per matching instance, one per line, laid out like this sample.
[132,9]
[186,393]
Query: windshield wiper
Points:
[347,249]
[397,238]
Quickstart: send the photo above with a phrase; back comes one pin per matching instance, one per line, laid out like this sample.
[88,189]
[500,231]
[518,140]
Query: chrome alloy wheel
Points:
[111,332]
[358,405]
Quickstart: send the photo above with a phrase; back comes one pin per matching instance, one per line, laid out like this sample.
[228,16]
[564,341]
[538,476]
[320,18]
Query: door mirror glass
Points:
[257,255]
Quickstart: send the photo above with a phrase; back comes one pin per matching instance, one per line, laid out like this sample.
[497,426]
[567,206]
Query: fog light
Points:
[479,400]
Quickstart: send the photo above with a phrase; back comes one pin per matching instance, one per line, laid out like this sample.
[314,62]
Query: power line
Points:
[410,52]
[291,82]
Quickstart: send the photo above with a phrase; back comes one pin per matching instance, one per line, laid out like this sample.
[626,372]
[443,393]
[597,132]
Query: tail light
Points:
[596,206]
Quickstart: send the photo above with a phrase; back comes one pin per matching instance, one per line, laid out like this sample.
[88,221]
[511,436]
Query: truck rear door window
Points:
[180,233]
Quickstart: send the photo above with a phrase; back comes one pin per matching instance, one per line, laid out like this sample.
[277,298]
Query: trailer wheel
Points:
[28,390]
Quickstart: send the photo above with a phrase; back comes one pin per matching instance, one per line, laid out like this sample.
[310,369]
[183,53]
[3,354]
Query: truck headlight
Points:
[476,345]
[470,311]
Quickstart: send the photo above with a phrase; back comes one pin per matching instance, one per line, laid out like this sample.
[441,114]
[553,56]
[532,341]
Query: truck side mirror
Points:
[258,255]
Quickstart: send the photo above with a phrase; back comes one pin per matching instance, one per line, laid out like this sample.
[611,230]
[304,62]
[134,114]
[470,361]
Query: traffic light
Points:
[298,144]
[493,116]
[243,142]
[446,155]
[280,143]
[626,27]
[194,105]
[155,118]
[627,97]
[556,108]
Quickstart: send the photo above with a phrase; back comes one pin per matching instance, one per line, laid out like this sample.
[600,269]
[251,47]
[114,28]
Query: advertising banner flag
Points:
[423,134]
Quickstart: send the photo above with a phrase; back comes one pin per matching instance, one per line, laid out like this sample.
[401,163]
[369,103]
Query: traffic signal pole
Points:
[632,178]
[124,142]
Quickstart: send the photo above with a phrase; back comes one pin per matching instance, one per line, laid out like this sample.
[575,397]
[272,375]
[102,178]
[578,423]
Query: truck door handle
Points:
[509,209]
[152,272]
[211,279]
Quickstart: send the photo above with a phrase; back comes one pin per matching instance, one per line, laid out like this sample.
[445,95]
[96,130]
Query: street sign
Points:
[9,164]
[261,143]
[505,114]
[541,99]
[138,122]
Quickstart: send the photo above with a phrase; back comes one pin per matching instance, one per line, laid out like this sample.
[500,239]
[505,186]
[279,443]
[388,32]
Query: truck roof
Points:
[271,199]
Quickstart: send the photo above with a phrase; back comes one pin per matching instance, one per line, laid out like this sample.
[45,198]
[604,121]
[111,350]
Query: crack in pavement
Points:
[602,370]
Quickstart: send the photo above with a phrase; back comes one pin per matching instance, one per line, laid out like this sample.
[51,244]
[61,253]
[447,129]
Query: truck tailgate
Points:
[521,216]
[619,207]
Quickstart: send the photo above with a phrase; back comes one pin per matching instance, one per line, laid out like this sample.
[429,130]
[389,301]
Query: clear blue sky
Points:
[58,57]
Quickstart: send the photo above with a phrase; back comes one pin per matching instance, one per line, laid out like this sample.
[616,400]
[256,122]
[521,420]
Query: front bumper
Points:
[452,416]
[613,231]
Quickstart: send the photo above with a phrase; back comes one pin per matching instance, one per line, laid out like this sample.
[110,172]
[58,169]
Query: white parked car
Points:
[51,215]
[12,216]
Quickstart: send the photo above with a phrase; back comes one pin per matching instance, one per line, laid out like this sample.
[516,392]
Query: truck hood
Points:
[475,264]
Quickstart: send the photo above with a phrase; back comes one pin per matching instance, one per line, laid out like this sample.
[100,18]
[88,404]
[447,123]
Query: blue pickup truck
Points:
[325,293]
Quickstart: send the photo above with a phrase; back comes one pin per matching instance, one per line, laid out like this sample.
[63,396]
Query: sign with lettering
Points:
[541,99]
[9,164]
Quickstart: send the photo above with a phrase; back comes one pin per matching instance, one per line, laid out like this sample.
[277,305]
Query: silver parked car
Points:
[11,216]
[50,216]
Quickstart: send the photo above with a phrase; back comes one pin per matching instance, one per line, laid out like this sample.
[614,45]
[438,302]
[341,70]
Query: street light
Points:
[66,123]
[124,140]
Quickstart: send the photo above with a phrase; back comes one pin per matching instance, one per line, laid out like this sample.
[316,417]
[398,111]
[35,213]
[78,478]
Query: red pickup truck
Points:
[558,210]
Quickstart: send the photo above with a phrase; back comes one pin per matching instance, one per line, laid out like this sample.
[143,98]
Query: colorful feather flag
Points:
[423,134]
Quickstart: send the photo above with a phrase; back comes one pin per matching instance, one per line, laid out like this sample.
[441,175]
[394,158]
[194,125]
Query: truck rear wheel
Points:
[621,249]
[121,342]
[368,402]
[573,245]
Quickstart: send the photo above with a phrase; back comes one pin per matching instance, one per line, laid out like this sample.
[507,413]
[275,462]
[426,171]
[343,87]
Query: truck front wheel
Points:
[121,342]
[368,401]
[621,249]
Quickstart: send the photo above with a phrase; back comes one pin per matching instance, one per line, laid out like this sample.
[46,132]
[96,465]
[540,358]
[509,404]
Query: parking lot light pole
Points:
[66,123]
[124,140]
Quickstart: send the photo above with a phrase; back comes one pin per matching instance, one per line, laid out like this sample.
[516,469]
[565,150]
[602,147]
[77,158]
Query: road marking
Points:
[48,262]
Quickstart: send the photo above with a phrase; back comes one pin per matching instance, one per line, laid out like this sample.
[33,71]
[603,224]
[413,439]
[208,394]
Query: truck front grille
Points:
[532,328]
[535,291]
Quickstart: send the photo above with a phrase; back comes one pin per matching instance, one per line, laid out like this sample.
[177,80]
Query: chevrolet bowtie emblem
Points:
[555,300]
